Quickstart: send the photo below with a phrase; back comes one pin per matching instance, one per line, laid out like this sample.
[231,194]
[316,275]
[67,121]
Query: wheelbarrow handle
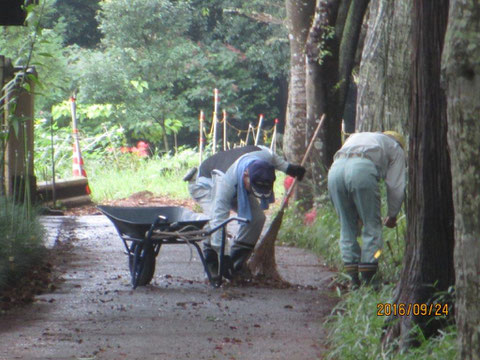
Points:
[221,225]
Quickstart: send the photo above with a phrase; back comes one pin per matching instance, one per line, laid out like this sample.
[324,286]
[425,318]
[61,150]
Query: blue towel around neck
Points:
[243,205]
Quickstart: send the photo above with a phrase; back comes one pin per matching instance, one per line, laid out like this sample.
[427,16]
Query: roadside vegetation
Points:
[355,328]
[21,244]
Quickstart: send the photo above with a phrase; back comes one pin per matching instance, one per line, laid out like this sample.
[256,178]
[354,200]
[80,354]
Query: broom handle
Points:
[304,160]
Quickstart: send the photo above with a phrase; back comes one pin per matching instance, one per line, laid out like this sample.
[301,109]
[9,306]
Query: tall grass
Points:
[119,177]
[355,331]
[21,243]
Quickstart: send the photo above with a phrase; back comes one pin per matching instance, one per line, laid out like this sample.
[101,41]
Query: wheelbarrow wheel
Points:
[142,264]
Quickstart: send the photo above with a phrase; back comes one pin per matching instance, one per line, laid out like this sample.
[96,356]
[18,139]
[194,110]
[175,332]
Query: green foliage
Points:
[144,67]
[321,237]
[20,244]
[355,331]
[78,17]
[52,140]
[42,48]
[158,62]
[121,175]
[161,60]
[355,328]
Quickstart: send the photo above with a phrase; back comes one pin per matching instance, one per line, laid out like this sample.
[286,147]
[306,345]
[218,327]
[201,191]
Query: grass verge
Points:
[21,244]
[354,327]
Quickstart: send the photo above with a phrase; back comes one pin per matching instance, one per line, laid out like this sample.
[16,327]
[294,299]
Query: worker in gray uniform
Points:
[353,184]
[240,180]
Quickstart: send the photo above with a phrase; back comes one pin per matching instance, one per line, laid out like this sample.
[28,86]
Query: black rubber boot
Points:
[368,273]
[351,269]
[211,259]
[239,257]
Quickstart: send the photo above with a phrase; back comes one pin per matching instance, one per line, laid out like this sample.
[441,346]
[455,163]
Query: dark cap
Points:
[262,177]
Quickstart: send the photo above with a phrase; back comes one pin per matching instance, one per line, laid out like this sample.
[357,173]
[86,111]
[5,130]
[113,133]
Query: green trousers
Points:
[353,185]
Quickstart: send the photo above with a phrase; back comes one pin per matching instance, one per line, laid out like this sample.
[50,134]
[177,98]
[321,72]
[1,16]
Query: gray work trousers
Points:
[353,185]
[247,234]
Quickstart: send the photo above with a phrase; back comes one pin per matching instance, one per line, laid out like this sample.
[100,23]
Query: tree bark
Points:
[461,63]
[384,85]
[428,261]
[331,47]
[322,49]
[299,17]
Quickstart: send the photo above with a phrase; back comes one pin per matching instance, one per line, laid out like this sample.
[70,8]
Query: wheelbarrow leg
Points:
[143,257]
[212,279]
[223,265]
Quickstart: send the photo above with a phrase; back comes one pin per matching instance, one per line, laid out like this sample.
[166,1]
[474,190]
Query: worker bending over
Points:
[242,180]
[353,185]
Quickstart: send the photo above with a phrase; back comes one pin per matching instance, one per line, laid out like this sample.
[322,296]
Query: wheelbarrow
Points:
[144,230]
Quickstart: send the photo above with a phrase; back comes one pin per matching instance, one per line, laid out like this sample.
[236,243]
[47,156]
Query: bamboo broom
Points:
[262,263]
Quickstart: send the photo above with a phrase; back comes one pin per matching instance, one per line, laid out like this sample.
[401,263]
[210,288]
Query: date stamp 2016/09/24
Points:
[415,309]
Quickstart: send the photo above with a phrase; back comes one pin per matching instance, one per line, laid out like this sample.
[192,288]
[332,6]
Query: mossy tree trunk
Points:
[324,37]
[331,46]
[461,62]
[299,18]
[384,84]
[428,261]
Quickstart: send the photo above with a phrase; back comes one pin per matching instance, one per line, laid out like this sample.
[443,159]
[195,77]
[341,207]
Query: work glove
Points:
[297,171]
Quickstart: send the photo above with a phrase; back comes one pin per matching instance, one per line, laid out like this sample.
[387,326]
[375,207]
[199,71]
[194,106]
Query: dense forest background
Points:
[151,66]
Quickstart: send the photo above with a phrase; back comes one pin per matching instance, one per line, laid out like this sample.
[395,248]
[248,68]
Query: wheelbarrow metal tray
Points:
[135,221]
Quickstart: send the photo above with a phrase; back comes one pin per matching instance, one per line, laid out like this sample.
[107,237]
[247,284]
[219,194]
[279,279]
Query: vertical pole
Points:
[77,165]
[260,122]
[18,161]
[54,194]
[273,145]
[248,133]
[175,142]
[224,130]
[200,145]
[77,158]
[215,120]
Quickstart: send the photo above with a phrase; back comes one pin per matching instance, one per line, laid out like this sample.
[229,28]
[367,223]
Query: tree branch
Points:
[259,17]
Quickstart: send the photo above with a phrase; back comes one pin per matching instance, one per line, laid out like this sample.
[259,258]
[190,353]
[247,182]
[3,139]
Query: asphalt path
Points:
[95,314]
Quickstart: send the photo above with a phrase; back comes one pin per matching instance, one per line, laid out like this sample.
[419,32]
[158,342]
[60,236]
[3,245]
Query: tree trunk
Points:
[428,261]
[331,46]
[462,69]
[384,85]
[322,75]
[299,15]
[299,19]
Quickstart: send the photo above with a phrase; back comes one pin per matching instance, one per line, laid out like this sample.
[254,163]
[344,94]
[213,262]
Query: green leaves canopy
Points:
[162,59]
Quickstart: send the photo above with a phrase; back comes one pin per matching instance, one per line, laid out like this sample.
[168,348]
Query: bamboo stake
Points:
[273,145]
[201,139]
[215,120]
[224,130]
[248,133]
[260,122]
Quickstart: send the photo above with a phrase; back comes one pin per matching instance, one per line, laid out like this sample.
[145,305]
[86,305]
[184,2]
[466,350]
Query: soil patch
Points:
[142,198]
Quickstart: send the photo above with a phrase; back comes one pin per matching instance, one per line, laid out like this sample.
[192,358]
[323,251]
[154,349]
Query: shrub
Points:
[21,243]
